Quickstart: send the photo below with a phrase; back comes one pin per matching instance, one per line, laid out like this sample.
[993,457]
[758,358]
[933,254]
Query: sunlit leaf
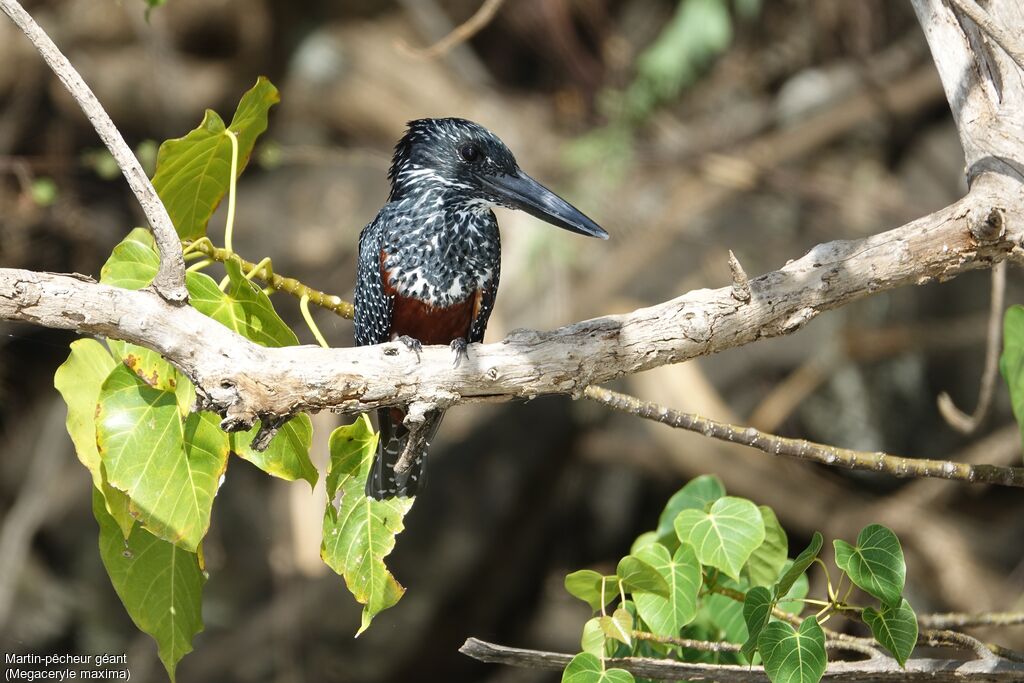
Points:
[618,626]
[193,172]
[593,637]
[169,470]
[287,456]
[895,628]
[875,564]
[159,583]
[359,532]
[793,656]
[725,536]
[243,308]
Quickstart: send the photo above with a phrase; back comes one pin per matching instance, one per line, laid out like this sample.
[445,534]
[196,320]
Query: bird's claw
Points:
[459,348]
[414,345]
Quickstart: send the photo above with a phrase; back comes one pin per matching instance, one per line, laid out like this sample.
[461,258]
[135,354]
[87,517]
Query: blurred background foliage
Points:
[686,128]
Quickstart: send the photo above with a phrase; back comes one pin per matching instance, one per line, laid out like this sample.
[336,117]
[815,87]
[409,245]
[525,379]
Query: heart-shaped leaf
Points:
[586,668]
[875,564]
[725,536]
[618,626]
[681,571]
[793,656]
[170,479]
[359,532]
[895,628]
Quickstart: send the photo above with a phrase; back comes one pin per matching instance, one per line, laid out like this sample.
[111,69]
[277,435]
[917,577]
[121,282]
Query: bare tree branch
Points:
[805,450]
[463,32]
[961,620]
[170,279]
[954,417]
[878,669]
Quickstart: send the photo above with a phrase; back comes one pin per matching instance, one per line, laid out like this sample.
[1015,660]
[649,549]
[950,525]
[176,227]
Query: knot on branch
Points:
[986,225]
[740,282]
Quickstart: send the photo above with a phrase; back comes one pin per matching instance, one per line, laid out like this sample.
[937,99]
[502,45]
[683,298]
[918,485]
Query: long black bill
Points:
[526,194]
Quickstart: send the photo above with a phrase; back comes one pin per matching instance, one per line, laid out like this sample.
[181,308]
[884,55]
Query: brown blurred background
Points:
[686,129]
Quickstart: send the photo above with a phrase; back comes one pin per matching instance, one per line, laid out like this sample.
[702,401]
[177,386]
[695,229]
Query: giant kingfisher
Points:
[429,262]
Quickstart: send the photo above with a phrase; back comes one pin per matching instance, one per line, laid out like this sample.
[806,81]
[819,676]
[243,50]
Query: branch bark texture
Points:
[243,381]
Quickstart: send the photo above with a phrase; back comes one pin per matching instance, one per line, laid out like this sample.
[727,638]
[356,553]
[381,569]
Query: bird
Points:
[428,264]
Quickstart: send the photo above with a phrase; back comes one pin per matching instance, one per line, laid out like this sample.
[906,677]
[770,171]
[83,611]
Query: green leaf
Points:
[170,471]
[78,380]
[133,262]
[725,536]
[1011,363]
[586,584]
[618,626]
[243,308]
[757,609]
[359,532]
[725,615]
[159,583]
[804,560]
[764,565]
[643,540]
[666,615]
[193,172]
[793,656]
[637,575]
[698,494]
[287,456]
[587,668]
[875,564]
[895,628]
[593,638]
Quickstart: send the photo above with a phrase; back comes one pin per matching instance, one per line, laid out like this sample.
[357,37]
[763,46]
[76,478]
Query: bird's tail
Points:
[396,440]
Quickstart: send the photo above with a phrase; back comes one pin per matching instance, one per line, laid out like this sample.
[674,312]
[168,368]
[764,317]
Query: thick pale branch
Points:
[170,279]
[875,669]
[243,381]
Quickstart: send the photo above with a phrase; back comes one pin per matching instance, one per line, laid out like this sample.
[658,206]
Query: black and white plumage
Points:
[429,262]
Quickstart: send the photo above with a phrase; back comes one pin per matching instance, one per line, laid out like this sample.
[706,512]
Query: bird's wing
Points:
[488,293]
[374,307]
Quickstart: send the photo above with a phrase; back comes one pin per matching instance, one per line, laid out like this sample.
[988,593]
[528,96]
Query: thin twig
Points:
[169,282]
[954,417]
[896,466]
[264,273]
[962,620]
[994,31]
[460,33]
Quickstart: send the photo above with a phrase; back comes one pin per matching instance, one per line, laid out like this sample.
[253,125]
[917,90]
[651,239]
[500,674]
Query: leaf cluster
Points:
[714,583]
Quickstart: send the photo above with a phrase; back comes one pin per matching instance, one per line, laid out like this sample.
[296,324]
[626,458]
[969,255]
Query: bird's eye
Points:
[469,152]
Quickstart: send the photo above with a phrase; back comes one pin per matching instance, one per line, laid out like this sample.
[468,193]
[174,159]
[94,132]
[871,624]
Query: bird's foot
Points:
[459,348]
[414,345]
